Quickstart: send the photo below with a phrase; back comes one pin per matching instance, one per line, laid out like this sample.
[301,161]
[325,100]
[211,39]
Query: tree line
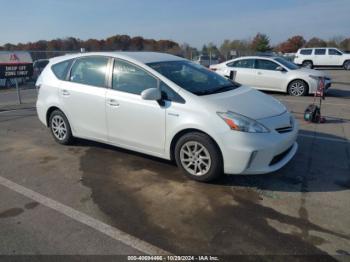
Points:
[260,43]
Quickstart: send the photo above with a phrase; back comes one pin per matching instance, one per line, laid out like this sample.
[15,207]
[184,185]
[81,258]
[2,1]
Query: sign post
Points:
[15,64]
[18,92]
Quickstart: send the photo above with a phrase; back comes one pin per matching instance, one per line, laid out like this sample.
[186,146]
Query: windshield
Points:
[286,63]
[193,77]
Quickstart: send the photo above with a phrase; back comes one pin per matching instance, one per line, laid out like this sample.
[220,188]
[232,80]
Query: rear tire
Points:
[347,65]
[60,128]
[298,88]
[198,156]
[308,64]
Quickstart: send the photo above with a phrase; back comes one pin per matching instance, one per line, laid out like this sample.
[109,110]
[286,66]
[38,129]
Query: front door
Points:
[267,77]
[133,122]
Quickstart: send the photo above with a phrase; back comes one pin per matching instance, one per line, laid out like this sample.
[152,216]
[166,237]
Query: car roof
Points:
[141,57]
[253,57]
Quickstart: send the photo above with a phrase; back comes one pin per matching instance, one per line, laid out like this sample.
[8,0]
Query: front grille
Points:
[279,157]
[285,129]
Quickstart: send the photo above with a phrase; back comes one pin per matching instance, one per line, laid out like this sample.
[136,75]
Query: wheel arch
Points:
[182,132]
[49,112]
[307,60]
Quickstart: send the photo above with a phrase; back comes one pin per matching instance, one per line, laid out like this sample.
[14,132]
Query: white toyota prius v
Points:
[168,107]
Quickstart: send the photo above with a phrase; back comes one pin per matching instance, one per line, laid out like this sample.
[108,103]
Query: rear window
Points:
[306,51]
[320,51]
[61,69]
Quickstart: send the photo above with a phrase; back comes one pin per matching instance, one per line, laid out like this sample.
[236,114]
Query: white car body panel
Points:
[270,80]
[128,121]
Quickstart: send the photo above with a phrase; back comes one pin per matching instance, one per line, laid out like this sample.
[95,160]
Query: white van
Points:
[317,57]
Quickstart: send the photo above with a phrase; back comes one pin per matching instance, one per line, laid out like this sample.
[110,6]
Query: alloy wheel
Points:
[59,128]
[297,88]
[195,158]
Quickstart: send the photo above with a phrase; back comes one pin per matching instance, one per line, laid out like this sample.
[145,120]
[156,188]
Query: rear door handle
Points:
[65,92]
[259,73]
[112,102]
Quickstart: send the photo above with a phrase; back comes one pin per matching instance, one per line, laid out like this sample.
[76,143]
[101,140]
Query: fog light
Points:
[251,159]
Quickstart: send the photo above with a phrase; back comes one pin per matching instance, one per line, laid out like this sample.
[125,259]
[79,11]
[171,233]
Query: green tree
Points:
[261,43]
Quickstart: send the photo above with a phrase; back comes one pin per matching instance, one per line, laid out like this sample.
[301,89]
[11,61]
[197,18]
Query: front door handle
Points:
[113,102]
[259,73]
[65,92]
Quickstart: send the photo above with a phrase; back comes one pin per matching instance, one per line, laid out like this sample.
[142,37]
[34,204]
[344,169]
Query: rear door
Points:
[243,71]
[83,97]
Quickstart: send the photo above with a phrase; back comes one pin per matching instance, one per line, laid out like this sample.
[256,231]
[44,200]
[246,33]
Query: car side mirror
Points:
[280,68]
[151,94]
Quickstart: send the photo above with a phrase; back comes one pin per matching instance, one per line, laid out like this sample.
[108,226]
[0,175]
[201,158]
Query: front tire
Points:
[60,128]
[347,65]
[307,64]
[198,156]
[298,88]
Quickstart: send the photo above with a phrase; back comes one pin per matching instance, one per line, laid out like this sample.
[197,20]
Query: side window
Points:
[90,71]
[265,64]
[244,63]
[320,51]
[61,69]
[131,79]
[333,52]
[169,94]
[306,51]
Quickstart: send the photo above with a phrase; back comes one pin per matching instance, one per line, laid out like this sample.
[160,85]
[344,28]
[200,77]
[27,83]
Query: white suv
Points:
[329,57]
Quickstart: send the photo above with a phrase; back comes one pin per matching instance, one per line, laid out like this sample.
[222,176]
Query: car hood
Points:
[246,101]
[312,72]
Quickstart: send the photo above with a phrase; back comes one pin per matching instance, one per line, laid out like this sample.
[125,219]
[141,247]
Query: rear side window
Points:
[131,79]
[320,51]
[90,71]
[265,64]
[244,63]
[61,69]
[306,51]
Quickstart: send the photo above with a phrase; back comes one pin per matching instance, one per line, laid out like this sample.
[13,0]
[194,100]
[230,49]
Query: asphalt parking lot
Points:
[80,199]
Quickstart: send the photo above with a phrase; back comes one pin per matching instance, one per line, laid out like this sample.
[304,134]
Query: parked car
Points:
[322,57]
[168,107]
[38,67]
[206,60]
[272,74]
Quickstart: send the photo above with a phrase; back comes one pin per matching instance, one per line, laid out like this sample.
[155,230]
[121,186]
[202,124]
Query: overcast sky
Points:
[192,21]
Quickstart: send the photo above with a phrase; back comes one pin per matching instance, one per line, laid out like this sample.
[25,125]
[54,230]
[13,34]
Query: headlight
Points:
[242,123]
[316,77]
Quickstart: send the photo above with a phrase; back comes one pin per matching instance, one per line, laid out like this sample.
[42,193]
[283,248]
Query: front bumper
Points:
[251,153]
[313,85]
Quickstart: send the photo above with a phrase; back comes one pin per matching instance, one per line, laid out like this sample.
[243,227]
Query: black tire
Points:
[214,169]
[298,88]
[347,65]
[65,139]
[307,64]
